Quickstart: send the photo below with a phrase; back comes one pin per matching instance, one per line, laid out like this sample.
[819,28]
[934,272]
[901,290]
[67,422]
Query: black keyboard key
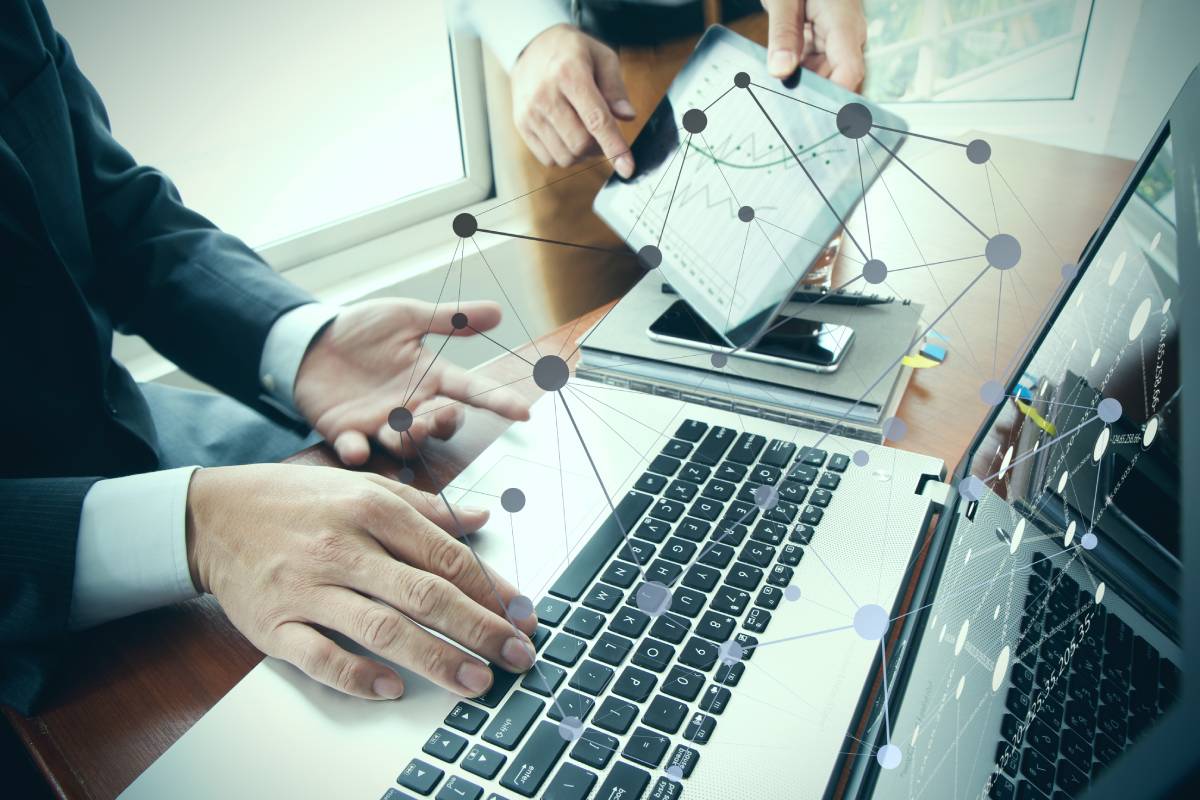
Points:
[571,783]
[1008,758]
[584,622]
[615,715]
[688,602]
[629,622]
[420,776]
[812,456]
[1070,778]
[757,554]
[764,473]
[803,474]
[701,578]
[512,720]
[706,509]
[1044,737]
[595,748]
[730,533]
[541,635]
[700,728]
[769,597]
[768,532]
[1076,748]
[838,462]
[730,674]
[1000,788]
[620,573]
[780,575]
[757,620]
[1106,750]
[565,649]
[602,597]
[669,510]
[802,533]
[742,513]
[599,548]
[623,781]
[746,448]
[713,446]
[715,698]
[699,653]
[692,529]
[716,627]
[678,550]
[670,628]
[637,551]
[551,610]
[683,683]
[1038,770]
[744,576]
[691,430]
[543,678]
[483,761]
[646,747]
[820,497]
[681,491]
[534,763]
[1017,702]
[716,555]
[457,788]
[664,465]
[444,745]
[653,655]
[666,788]
[793,492]
[677,448]
[591,677]
[829,481]
[652,530]
[790,555]
[611,649]
[502,680]
[695,473]
[783,511]
[650,483]
[779,453]
[730,600]
[665,714]
[662,571]
[811,515]
[635,684]
[570,703]
[719,490]
[729,471]
[748,643]
[466,718]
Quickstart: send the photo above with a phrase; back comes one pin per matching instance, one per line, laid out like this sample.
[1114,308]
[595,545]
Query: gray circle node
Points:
[792,592]
[520,607]
[718,360]
[745,213]
[400,419]
[653,598]
[649,257]
[861,458]
[741,80]
[405,474]
[465,225]
[1003,251]
[978,151]
[459,321]
[766,497]
[871,622]
[1069,271]
[694,120]
[512,500]
[730,652]
[854,120]
[550,373]
[972,488]
[570,728]
[674,773]
[991,393]
[889,756]
[1089,541]
[895,429]
[874,271]
[1109,409]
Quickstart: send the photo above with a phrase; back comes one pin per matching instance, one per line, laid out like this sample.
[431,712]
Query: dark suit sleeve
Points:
[198,295]
[39,521]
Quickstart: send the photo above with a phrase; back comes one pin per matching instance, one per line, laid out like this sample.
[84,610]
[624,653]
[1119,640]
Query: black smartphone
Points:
[792,341]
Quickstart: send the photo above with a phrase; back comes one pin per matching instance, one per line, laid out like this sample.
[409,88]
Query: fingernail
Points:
[624,108]
[472,510]
[518,653]
[624,165]
[387,687]
[782,63]
[474,677]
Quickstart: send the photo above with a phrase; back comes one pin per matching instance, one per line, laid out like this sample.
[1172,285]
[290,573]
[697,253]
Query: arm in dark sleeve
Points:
[198,295]
[39,525]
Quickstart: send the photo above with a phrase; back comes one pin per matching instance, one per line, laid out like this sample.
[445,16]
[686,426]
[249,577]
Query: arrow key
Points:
[483,761]
[444,745]
[466,718]
[420,776]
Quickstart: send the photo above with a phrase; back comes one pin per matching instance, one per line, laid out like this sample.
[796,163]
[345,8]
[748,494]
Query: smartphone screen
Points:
[806,342]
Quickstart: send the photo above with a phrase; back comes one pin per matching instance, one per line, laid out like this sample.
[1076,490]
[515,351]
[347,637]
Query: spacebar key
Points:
[604,542]
[539,755]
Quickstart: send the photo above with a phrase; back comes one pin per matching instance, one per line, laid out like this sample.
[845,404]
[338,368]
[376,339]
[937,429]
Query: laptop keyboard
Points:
[721,519]
[1113,687]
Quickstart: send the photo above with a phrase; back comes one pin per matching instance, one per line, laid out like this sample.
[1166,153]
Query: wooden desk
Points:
[140,683]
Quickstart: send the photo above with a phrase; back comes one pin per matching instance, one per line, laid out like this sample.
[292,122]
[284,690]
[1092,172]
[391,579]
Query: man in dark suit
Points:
[115,498]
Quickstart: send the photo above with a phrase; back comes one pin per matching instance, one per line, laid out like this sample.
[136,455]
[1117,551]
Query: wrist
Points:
[197,522]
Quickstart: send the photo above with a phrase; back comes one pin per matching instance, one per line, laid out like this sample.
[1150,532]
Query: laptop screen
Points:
[1051,642]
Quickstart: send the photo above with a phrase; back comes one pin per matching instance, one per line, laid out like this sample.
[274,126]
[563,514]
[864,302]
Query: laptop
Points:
[799,651]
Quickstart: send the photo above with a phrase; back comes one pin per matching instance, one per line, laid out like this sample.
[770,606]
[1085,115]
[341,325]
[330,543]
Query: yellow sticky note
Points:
[1037,418]
[919,362]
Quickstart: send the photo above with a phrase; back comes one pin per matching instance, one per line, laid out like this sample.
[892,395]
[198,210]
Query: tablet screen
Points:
[741,200]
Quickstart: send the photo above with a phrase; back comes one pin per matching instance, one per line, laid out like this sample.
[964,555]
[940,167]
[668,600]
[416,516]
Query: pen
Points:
[838,298]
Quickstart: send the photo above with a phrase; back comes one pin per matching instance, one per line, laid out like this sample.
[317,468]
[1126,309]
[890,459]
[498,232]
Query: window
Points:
[302,127]
[975,50]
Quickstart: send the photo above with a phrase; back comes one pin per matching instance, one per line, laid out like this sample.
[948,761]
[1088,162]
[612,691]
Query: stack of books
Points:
[847,402]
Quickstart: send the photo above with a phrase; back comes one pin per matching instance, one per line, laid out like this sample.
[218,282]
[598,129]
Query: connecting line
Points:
[862,181]
[462,536]
[927,185]
[612,250]
[505,348]
[511,305]
[417,388]
[790,97]
[996,336]
[887,721]
[719,97]
[785,319]
[918,135]
[836,580]
[804,169]
[433,314]
[1042,447]
[761,645]
[678,176]
[934,263]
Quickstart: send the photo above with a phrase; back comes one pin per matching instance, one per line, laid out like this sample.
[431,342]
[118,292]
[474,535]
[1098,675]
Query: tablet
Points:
[736,202]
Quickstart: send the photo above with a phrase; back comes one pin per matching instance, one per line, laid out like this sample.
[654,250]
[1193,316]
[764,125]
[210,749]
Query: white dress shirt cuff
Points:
[286,344]
[507,30]
[131,554]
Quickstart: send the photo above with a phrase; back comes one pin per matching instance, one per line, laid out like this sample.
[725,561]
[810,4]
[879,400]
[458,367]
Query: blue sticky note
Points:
[936,352]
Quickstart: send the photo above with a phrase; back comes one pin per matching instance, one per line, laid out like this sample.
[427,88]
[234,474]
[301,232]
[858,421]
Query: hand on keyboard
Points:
[290,551]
